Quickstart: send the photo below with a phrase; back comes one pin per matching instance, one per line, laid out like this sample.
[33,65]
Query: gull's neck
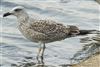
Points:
[23,17]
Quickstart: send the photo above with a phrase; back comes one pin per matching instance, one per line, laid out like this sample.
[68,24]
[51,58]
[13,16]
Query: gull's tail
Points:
[75,31]
[84,32]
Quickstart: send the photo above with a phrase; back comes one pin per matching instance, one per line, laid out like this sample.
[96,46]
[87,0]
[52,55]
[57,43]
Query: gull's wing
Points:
[50,28]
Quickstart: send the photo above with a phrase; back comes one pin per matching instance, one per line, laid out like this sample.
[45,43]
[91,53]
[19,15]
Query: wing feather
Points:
[52,30]
[48,27]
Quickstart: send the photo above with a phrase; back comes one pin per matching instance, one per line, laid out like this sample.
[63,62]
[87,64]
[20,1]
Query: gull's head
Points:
[16,11]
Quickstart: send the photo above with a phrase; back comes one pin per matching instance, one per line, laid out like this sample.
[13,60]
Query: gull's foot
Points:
[40,63]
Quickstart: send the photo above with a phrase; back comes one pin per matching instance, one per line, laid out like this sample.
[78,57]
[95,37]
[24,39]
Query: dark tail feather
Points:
[84,32]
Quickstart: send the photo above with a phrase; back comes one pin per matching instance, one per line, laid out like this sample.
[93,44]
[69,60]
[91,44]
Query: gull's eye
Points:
[18,10]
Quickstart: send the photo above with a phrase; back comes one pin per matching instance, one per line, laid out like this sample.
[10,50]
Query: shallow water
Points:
[14,47]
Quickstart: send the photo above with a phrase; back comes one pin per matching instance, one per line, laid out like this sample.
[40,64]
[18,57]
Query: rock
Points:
[94,61]
[91,53]
[98,1]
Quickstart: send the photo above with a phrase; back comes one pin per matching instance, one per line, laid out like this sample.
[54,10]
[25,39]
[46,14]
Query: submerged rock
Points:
[89,56]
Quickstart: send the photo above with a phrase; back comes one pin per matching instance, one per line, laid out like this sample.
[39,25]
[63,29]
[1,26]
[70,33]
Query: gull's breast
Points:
[32,35]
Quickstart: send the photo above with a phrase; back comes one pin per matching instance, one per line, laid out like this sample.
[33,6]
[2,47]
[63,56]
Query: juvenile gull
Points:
[41,31]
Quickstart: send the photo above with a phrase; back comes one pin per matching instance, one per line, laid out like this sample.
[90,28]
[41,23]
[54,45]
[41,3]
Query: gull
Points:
[41,31]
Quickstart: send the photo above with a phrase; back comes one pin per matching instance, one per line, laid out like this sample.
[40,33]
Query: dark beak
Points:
[6,14]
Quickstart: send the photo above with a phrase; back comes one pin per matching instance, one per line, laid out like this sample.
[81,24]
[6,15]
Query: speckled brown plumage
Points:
[53,31]
[45,31]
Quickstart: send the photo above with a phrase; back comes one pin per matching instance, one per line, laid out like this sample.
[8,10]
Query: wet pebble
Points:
[28,57]
[13,64]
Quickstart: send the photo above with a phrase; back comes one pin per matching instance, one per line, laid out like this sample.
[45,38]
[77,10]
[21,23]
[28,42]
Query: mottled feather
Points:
[53,31]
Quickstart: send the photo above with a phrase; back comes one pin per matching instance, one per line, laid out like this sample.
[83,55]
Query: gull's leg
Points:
[42,53]
[39,50]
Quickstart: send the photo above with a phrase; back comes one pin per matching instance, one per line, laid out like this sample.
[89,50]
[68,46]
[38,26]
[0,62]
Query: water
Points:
[14,47]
